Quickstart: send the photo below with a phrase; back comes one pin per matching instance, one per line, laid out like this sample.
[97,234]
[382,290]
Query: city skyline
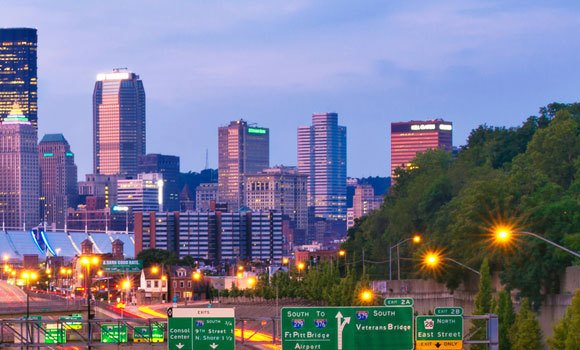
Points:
[451,60]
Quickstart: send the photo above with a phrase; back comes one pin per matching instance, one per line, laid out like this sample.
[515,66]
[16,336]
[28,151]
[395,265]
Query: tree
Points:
[567,330]
[506,315]
[526,333]
[483,302]
[157,257]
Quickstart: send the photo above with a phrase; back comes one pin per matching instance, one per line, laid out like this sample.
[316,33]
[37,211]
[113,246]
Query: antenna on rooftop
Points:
[206,160]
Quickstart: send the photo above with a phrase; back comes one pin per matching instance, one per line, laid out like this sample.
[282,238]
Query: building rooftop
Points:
[53,138]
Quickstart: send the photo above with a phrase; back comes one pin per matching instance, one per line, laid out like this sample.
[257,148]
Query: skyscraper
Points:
[19,182]
[58,179]
[118,122]
[243,149]
[168,166]
[410,138]
[322,156]
[18,79]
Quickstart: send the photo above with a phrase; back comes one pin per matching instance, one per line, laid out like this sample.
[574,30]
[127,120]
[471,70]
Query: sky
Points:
[275,63]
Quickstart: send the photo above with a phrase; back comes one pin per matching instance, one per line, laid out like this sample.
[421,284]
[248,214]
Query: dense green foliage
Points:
[526,333]
[567,331]
[483,305]
[526,176]
[506,315]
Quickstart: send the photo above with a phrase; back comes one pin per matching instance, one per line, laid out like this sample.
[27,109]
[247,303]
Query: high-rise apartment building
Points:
[118,123]
[322,157]
[19,181]
[18,77]
[58,179]
[279,188]
[143,194]
[168,166]
[243,149]
[216,236]
[410,138]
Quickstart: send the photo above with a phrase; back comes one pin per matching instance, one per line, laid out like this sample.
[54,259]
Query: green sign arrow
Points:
[342,328]
[114,333]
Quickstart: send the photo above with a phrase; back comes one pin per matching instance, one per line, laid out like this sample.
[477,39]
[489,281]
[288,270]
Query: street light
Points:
[27,276]
[503,235]
[416,240]
[434,259]
[285,261]
[251,282]
[342,253]
[87,261]
[366,296]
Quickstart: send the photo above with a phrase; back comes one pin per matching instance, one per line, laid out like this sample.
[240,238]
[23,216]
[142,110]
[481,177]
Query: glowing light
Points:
[342,252]
[301,266]
[251,282]
[366,295]
[154,270]
[196,276]
[417,239]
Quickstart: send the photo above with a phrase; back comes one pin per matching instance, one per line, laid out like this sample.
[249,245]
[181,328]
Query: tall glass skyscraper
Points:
[322,156]
[243,149]
[118,123]
[18,79]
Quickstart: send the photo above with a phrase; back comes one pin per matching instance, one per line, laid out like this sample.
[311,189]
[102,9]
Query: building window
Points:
[156,284]
[174,284]
[148,284]
[163,284]
[181,284]
[189,284]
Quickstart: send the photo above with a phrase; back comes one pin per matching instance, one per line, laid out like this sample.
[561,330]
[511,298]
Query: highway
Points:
[11,294]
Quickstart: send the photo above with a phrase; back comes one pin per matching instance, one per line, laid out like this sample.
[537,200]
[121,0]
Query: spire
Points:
[16,116]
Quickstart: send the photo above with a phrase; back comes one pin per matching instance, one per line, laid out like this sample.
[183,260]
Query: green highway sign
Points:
[451,310]
[338,328]
[399,302]
[113,333]
[120,266]
[439,332]
[146,334]
[78,324]
[196,328]
[54,334]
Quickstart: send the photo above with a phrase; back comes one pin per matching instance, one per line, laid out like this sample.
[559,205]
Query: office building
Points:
[279,188]
[243,149]
[322,157]
[143,194]
[118,123]
[19,181]
[205,195]
[102,187]
[364,202]
[18,72]
[58,180]
[410,138]
[168,166]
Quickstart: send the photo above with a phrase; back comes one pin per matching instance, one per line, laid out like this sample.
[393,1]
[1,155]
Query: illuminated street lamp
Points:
[434,259]
[366,296]
[154,270]
[285,261]
[300,266]
[27,276]
[342,253]
[504,236]
[196,276]
[416,240]
[251,282]
[87,261]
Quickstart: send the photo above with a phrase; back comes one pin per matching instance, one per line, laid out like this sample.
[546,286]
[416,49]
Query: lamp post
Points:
[504,236]
[367,296]
[416,239]
[433,259]
[87,261]
[27,276]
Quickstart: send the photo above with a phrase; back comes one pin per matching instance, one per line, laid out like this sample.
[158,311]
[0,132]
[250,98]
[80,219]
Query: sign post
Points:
[342,328]
[196,328]
[439,332]
[149,334]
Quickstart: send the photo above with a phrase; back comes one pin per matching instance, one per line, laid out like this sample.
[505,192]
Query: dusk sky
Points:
[204,63]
